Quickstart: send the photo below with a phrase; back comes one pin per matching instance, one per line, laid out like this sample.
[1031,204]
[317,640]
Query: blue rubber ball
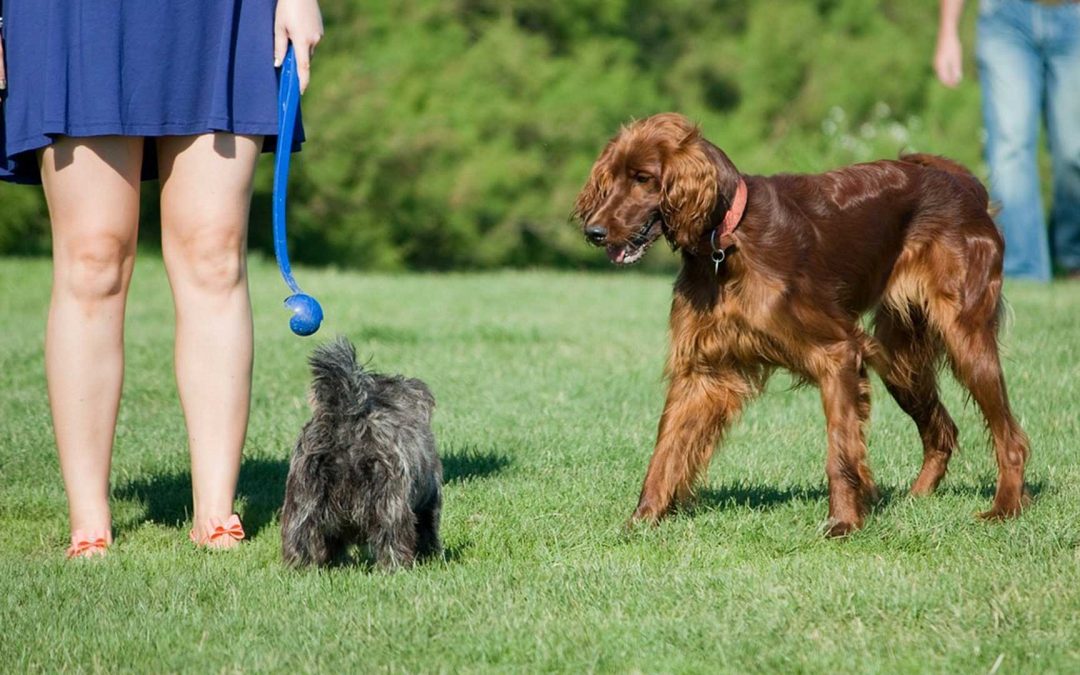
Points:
[307,314]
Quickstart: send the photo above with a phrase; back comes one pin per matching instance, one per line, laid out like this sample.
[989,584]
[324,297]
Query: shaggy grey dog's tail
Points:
[337,380]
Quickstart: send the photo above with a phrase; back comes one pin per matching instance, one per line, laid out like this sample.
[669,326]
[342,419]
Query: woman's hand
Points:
[298,22]
[948,59]
[3,72]
[948,55]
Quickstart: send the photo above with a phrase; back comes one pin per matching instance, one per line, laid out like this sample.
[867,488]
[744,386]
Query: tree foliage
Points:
[456,133]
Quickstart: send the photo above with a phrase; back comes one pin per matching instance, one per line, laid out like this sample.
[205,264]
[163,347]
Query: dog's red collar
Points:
[733,216]
[731,221]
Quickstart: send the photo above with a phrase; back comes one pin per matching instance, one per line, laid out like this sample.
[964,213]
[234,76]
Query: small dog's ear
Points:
[423,395]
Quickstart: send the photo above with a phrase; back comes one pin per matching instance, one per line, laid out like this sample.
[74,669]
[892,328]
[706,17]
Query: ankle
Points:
[96,521]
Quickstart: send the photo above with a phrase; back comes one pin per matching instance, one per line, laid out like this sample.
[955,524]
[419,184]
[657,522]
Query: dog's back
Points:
[956,169]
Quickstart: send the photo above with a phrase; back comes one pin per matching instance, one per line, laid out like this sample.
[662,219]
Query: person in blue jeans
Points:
[1028,52]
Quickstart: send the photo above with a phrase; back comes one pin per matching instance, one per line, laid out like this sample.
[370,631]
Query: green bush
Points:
[456,134]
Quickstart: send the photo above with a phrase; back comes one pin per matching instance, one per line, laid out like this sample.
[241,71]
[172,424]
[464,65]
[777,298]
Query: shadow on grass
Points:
[360,558]
[261,488]
[469,463]
[986,490]
[763,497]
[755,497]
[167,496]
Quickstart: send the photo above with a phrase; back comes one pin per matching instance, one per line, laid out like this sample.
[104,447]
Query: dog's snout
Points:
[596,233]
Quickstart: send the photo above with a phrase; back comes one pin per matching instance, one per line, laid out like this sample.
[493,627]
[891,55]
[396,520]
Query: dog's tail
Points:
[956,169]
[336,377]
[975,186]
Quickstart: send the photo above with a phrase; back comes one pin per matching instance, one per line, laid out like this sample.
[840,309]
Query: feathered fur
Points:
[911,241]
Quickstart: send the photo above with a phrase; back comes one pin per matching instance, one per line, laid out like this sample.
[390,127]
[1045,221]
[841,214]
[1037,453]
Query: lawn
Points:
[549,388]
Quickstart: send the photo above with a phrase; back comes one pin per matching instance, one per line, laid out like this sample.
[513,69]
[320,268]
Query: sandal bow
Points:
[87,544]
[231,528]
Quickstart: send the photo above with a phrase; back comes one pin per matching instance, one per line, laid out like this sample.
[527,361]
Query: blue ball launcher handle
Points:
[307,313]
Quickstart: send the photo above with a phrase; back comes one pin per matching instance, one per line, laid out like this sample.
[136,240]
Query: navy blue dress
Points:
[134,68]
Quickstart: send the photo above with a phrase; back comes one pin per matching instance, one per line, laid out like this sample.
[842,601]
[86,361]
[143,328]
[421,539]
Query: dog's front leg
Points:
[845,395]
[698,407]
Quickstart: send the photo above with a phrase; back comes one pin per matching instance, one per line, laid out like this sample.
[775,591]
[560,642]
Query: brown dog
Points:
[777,271]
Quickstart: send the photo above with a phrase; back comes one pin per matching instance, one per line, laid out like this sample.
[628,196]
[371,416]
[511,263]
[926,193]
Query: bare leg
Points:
[92,187]
[205,199]
[697,409]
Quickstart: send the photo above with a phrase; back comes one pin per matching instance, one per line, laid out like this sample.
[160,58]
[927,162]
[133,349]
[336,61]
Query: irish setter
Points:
[777,271]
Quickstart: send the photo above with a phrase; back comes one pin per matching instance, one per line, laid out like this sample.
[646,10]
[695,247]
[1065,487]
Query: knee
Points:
[213,261]
[95,270]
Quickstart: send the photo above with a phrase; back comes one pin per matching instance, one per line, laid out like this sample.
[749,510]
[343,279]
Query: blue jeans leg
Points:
[1011,74]
[1063,130]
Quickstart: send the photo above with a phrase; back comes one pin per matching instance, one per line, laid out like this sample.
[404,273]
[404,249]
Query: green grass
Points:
[548,389]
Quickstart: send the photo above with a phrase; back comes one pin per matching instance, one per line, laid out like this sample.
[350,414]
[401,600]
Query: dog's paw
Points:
[835,529]
[1005,508]
[645,515]
[638,525]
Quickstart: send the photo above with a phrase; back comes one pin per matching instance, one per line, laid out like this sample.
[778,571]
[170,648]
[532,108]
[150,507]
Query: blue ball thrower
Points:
[307,313]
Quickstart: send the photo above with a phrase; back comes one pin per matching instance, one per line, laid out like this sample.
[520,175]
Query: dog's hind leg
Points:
[909,369]
[969,327]
[427,528]
[304,541]
[391,528]
[697,409]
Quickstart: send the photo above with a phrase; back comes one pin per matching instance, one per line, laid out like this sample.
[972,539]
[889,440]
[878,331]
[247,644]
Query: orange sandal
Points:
[87,544]
[219,532]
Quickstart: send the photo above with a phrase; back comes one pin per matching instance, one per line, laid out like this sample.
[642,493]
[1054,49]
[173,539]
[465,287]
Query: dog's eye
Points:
[640,177]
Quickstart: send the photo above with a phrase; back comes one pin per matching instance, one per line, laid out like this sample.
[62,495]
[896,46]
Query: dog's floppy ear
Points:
[591,197]
[688,192]
[696,177]
[424,397]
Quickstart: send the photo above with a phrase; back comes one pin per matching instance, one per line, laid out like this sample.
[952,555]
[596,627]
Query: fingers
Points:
[953,75]
[298,22]
[948,61]
[948,71]
[281,43]
[3,73]
[303,64]
[305,50]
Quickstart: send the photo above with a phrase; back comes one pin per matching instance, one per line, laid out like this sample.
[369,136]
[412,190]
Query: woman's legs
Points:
[206,184]
[92,188]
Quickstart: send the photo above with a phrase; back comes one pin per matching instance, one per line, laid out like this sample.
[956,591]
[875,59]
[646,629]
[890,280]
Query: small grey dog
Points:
[365,469]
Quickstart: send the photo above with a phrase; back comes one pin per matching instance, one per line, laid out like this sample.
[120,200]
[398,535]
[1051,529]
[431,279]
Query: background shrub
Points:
[455,134]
